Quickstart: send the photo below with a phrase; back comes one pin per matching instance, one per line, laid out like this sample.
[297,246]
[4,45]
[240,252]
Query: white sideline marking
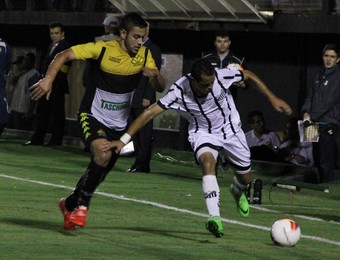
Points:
[122,197]
[261,208]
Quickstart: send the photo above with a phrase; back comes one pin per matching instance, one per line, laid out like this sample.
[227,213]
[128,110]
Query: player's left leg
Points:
[237,155]
[237,189]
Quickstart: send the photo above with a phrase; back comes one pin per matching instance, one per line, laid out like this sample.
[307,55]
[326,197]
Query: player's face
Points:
[133,39]
[330,58]
[56,34]
[222,44]
[204,86]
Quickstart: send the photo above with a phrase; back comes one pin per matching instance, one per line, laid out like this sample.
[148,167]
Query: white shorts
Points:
[234,149]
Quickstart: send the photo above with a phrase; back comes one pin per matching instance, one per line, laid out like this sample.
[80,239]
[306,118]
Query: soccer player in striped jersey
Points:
[203,97]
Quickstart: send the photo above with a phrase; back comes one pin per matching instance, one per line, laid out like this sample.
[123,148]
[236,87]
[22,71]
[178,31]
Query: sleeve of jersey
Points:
[89,50]
[169,100]
[150,62]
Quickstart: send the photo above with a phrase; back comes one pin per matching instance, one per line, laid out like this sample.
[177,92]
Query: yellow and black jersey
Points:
[114,77]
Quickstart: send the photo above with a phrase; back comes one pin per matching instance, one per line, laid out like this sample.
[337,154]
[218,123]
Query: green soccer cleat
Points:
[242,203]
[214,225]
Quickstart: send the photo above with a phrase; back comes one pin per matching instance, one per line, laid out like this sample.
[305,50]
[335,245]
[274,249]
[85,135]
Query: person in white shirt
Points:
[262,142]
[291,149]
[204,98]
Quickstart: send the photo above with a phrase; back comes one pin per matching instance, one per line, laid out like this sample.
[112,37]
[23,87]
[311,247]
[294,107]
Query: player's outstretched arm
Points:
[148,114]
[156,79]
[44,86]
[279,104]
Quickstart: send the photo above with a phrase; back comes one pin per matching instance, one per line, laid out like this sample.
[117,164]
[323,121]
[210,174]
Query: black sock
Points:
[86,186]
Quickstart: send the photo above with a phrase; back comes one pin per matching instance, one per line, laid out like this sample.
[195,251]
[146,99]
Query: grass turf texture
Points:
[123,222]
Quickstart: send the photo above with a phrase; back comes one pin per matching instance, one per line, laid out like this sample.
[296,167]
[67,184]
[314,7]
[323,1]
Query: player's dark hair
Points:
[130,20]
[332,46]
[252,114]
[55,25]
[201,67]
[221,33]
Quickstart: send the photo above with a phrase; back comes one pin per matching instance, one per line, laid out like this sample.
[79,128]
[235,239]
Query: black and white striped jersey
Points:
[215,113]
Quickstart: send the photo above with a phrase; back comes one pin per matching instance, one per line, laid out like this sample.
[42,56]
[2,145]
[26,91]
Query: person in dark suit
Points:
[5,64]
[143,97]
[50,114]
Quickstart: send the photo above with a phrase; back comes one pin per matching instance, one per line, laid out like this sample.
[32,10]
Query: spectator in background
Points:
[15,72]
[5,65]
[111,24]
[223,57]
[144,96]
[21,107]
[291,149]
[50,114]
[262,142]
[322,106]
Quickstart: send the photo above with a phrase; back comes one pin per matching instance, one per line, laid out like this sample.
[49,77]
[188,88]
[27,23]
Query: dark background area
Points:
[286,61]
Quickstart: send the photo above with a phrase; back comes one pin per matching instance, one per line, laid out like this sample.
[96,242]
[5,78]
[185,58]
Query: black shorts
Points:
[91,129]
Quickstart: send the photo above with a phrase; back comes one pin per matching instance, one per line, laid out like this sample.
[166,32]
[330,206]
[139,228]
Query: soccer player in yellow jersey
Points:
[104,110]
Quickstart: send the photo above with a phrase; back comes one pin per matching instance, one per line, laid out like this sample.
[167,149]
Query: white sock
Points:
[211,192]
[238,187]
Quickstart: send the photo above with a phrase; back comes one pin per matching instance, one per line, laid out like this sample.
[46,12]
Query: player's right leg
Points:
[101,163]
[207,160]
[68,225]
[215,227]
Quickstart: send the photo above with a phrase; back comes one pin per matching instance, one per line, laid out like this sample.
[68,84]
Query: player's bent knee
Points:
[102,158]
[244,178]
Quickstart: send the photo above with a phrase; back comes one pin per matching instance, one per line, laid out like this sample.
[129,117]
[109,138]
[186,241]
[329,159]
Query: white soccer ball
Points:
[285,232]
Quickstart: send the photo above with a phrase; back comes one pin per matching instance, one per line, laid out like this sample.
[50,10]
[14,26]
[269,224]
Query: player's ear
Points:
[122,34]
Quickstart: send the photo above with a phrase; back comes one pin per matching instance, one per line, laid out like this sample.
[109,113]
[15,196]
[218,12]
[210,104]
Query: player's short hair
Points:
[252,114]
[201,67]
[130,20]
[55,25]
[222,34]
[332,46]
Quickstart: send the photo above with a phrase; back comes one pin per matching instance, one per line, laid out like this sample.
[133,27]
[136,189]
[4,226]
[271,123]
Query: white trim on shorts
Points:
[234,148]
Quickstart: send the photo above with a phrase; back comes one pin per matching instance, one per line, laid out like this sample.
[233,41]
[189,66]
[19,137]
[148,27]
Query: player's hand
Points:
[117,146]
[42,87]
[281,106]
[240,84]
[151,73]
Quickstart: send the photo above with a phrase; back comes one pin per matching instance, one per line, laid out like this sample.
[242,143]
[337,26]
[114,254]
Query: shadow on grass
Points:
[166,233]
[38,224]
[57,227]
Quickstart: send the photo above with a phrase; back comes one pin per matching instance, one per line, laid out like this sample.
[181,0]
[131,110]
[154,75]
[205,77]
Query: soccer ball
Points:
[285,232]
